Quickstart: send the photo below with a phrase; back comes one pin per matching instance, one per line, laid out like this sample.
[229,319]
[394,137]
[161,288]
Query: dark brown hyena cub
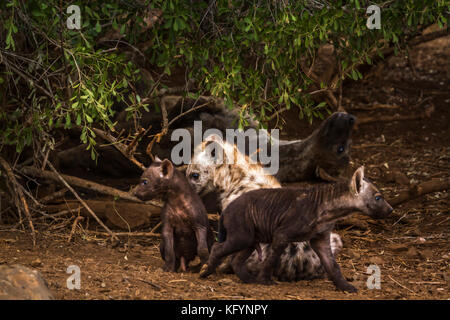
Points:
[284,215]
[185,228]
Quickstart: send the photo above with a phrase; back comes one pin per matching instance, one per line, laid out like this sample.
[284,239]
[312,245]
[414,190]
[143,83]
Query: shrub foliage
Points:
[253,54]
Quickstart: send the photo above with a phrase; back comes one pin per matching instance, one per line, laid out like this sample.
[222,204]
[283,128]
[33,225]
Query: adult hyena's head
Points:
[201,177]
[200,172]
[334,139]
[212,153]
[370,200]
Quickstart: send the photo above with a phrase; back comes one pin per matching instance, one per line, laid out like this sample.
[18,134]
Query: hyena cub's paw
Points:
[205,271]
[347,287]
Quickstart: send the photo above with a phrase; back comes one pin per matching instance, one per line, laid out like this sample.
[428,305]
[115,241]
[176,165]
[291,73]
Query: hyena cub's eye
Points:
[144,182]
[195,175]
[340,149]
[377,198]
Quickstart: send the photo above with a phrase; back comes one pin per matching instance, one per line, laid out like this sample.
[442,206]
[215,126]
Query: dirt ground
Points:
[411,248]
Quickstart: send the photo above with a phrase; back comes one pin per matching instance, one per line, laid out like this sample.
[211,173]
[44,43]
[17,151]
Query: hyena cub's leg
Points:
[167,248]
[201,233]
[223,249]
[239,266]
[276,249]
[321,246]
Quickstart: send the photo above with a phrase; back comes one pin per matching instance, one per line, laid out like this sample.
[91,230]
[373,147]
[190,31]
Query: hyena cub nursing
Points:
[298,261]
[281,216]
[185,227]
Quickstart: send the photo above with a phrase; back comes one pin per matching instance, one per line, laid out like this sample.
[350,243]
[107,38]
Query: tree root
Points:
[418,190]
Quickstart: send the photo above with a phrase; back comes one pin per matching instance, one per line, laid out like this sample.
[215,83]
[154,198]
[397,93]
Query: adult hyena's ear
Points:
[213,147]
[213,137]
[356,184]
[166,169]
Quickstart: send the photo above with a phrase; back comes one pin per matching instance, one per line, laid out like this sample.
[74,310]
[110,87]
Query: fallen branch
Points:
[54,196]
[74,226]
[374,107]
[416,191]
[59,214]
[426,114]
[120,213]
[113,236]
[128,234]
[82,183]
[18,196]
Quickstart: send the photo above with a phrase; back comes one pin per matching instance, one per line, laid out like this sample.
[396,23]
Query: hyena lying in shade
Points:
[185,227]
[324,154]
[298,261]
[280,216]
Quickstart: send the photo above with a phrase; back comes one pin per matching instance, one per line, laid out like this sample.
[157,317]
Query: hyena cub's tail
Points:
[222,232]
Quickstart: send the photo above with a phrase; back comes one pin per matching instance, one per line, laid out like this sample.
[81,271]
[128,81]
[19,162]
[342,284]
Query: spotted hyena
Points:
[282,215]
[298,260]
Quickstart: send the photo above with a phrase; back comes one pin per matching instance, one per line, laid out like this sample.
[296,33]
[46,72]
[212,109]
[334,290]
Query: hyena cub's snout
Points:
[145,189]
[154,180]
[382,208]
[378,206]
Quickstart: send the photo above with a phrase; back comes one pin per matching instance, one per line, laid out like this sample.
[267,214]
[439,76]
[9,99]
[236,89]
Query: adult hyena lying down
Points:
[280,216]
[298,261]
[326,150]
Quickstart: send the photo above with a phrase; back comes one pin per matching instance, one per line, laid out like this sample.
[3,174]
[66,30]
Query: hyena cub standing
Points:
[185,227]
[298,261]
[280,216]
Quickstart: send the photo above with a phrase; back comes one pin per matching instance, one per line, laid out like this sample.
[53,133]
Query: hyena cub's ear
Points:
[166,169]
[356,184]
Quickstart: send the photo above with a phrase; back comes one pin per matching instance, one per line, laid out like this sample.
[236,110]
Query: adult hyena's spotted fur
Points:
[298,261]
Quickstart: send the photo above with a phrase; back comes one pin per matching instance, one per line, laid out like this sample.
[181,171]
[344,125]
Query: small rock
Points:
[355,254]
[21,283]
[353,277]
[426,254]
[412,252]
[36,263]
[225,282]
[103,285]
[376,260]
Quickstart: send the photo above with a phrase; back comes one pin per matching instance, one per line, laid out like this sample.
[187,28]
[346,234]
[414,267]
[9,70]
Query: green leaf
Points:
[98,27]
